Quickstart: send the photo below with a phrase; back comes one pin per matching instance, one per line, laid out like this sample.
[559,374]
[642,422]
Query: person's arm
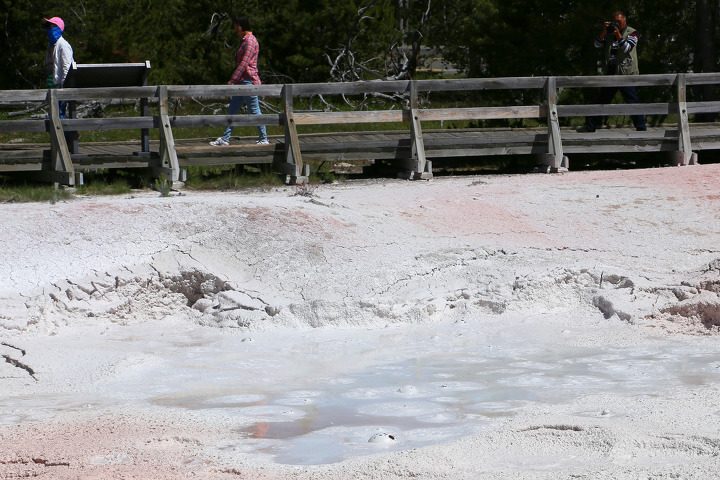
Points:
[600,39]
[64,62]
[630,42]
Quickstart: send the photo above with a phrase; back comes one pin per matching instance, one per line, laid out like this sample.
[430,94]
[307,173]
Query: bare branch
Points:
[216,21]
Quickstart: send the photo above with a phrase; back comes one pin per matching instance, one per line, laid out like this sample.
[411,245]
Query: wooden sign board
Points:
[88,75]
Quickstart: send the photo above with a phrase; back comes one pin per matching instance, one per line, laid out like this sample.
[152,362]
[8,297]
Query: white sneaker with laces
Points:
[219,142]
[263,142]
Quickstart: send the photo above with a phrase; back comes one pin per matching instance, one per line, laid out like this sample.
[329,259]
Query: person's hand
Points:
[605,30]
[615,32]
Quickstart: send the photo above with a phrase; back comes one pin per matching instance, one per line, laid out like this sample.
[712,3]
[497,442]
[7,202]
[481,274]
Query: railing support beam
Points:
[684,155]
[293,167]
[418,167]
[554,160]
[61,167]
[169,165]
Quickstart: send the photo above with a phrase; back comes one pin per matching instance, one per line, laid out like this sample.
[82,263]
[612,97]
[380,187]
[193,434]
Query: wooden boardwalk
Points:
[413,150]
[365,146]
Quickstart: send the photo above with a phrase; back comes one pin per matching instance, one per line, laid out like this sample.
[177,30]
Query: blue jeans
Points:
[253,106]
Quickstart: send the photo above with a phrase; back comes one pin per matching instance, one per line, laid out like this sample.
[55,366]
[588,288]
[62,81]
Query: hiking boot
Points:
[219,142]
[264,141]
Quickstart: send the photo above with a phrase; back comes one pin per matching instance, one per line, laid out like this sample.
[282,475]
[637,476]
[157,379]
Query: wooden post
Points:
[419,166]
[169,165]
[144,132]
[144,111]
[684,155]
[293,164]
[61,167]
[554,159]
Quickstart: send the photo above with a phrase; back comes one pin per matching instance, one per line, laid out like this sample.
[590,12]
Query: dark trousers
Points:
[606,95]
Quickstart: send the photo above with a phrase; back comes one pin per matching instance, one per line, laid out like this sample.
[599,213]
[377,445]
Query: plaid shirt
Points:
[246,61]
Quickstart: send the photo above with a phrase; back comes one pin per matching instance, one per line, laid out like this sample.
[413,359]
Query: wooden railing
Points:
[61,167]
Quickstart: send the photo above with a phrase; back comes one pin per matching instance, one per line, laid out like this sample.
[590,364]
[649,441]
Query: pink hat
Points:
[56,21]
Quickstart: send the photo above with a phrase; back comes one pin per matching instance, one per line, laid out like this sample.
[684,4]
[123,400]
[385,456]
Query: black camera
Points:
[612,26]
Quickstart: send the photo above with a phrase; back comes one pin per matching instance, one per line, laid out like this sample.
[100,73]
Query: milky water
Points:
[320,396]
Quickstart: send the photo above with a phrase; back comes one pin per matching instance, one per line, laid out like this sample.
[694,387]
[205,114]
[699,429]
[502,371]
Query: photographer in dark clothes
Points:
[620,43]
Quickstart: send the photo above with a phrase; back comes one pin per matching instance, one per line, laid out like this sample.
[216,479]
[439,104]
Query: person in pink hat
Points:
[59,56]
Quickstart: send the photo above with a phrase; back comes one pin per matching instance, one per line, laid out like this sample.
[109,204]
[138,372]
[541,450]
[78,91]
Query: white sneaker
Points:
[219,142]
[263,142]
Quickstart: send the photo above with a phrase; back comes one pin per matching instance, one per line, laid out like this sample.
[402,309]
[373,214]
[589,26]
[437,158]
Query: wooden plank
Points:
[22,96]
[704,132]
[616,80]
[702,78]
[328,139]
[485,140]
[109,123]
[352,146]
[179,91]
[482,113]
[684,143]
[351,88]
[168,156]
[706,144]
[213,161]
[119,161]
[102,93]
[616,109]
[418,162]
[125,146]
[374,137]
[488,151]
[21,167]
[463,84]
[60,162]
[20,155]
[23,126]
[614,148]
[62,178]
[198,121]
[292,154]
[703,107]
[373,116]
[98,150]
[554,157]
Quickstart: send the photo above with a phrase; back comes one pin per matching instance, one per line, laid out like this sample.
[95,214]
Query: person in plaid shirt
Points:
[246,73]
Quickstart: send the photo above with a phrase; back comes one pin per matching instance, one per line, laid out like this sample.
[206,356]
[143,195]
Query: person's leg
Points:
[233,109]
[605,96]
[630,96]
[253,105]
[63,109]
